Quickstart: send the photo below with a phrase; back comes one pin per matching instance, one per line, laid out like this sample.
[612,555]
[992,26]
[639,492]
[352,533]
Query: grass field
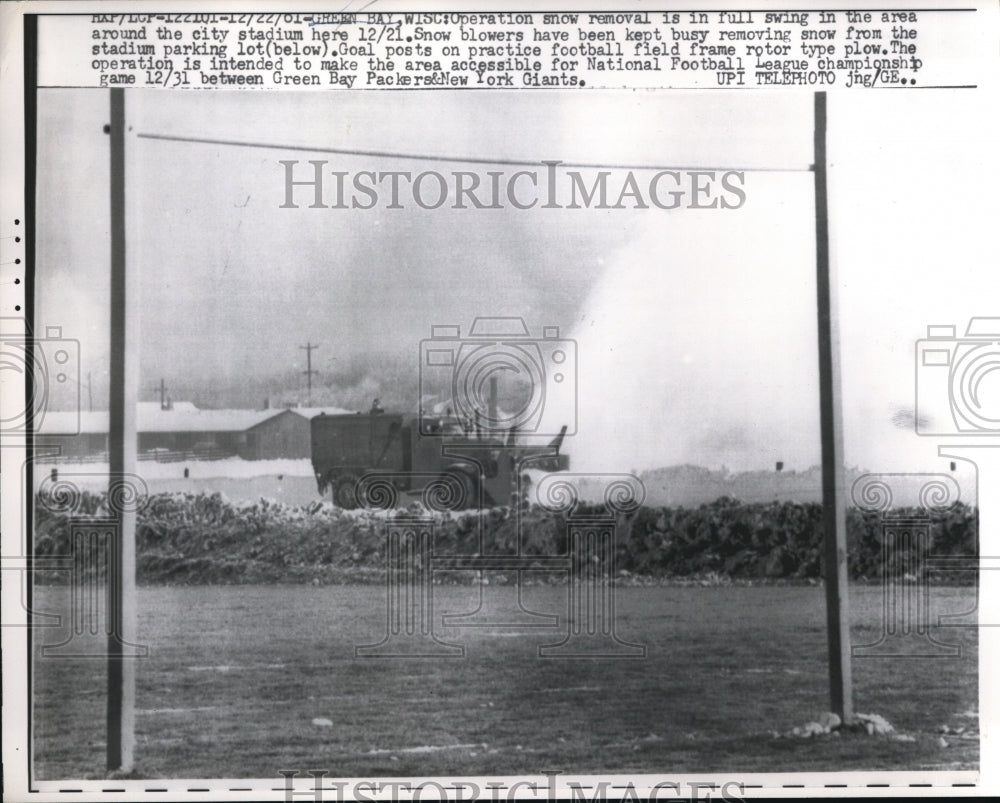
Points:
[237,674]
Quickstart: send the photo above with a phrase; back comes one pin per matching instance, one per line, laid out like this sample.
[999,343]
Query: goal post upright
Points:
[832,440]
[122,448]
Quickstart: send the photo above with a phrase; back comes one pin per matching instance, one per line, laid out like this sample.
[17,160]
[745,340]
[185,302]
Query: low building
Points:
[73,435]
[283,435]
[182,431]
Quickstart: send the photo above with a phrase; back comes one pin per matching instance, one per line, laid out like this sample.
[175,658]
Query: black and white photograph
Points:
[499,403]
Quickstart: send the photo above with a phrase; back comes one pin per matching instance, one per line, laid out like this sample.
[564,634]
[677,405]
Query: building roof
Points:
[202,420]
[308,413]
[150,417]
[312,412]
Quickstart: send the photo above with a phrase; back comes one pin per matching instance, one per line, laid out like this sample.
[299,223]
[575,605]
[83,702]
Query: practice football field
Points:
[244,681]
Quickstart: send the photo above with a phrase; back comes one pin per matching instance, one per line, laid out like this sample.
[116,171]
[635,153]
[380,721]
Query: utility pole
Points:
[308,347]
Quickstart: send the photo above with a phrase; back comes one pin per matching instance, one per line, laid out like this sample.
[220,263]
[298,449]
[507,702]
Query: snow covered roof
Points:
[150,417]
[312,412]
[202,420]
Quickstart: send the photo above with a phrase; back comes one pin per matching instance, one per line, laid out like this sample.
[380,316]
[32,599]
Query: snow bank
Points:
[230,468]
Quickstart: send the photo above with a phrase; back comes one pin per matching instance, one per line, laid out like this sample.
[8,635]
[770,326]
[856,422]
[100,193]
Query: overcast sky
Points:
[695,328]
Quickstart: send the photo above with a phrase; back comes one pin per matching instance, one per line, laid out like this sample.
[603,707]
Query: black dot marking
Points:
[17,308]
[409,38]
[583,83]
[913,80]
[17,222]
[107,129]
[17,281]
[17,239]
[17,261]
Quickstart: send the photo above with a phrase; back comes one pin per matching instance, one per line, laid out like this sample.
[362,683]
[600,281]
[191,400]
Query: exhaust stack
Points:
[558,439]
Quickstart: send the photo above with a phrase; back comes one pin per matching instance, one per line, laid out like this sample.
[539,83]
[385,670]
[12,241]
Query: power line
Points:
[425,157]
[90,390]
[162,388]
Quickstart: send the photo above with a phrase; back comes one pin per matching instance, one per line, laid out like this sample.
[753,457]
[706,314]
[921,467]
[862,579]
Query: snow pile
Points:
[830,723]
[230,468]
